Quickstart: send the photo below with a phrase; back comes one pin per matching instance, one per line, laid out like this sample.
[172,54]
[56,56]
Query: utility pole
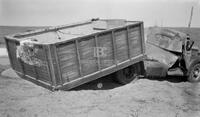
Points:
[162,23]
[191,14]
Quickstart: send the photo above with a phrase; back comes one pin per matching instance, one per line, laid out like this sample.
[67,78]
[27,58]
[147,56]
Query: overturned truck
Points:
[171,51]
[64,57]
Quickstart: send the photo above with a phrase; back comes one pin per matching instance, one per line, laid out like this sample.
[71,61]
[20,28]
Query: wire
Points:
[69,33]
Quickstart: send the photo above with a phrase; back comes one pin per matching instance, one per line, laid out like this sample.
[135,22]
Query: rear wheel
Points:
[194,73]
[130,73]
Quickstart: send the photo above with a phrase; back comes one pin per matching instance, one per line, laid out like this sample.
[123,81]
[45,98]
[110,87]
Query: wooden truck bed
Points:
[78,53]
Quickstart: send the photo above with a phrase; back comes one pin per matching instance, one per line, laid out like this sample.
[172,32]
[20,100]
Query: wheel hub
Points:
[129,73]
[196,73]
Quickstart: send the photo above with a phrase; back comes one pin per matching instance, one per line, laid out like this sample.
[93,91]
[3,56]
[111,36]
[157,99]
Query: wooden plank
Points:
[9,53]
[35,70]
[128,43]
[98,58]
[121,45]
[51,70]
[16,61]
[142,37]
[78,58]
[62,49]
[134,28]
[135,41]
[38,82]
[67,57]
[42,72]
[86,51]
[105,43]
[114,48]
[58,65]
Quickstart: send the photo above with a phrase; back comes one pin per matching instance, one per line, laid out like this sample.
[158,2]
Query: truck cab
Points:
[169,50]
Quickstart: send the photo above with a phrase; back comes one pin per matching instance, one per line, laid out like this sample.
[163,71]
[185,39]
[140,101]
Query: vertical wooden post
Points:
[142,37]
[114,48]
[58,65]
[98,58]
[35,70]
[128,42]
[78,57]
[8,50]
[20,61]
[51,70]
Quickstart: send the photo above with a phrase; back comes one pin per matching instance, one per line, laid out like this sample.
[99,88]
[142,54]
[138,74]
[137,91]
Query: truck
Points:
[66,56]
[170,51]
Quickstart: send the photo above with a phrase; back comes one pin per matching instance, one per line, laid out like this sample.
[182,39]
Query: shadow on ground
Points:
[172,79]
[108,82]
[104,83]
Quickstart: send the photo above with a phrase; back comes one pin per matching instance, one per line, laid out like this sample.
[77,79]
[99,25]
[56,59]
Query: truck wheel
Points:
[126,75]
[194,73]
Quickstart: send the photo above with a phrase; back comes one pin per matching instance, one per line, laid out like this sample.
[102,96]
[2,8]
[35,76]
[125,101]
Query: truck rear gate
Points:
[75,54]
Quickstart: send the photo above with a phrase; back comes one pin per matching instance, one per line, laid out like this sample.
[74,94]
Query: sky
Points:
[173,13]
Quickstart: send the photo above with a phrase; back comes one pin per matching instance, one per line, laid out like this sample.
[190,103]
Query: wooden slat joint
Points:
[57,64]
[98,58]
[78,57]
[114,48]
[128,43]
[142,37]
[51,70]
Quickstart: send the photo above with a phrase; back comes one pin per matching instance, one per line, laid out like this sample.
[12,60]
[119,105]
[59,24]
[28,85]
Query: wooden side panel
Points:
[42,71]
[68,61]
[16,64]
[121,45]
[134,35]
[29,70]
[39,73]
[88,60]
[105,41]
[56,66]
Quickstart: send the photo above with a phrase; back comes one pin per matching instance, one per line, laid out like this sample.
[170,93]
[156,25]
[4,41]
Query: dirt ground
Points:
[143,98]
[158,97]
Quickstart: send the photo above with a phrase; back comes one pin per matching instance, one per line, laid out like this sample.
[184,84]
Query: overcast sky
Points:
[56,12]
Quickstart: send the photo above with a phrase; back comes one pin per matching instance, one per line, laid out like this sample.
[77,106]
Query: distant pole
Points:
[155,25]
[191,14]
[162,23]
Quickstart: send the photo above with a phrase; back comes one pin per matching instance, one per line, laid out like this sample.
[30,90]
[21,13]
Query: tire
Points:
[126,75]
[194,73]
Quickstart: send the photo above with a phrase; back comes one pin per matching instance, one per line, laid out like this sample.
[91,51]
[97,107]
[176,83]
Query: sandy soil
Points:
[3,52]
[170,97]
[144,98]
